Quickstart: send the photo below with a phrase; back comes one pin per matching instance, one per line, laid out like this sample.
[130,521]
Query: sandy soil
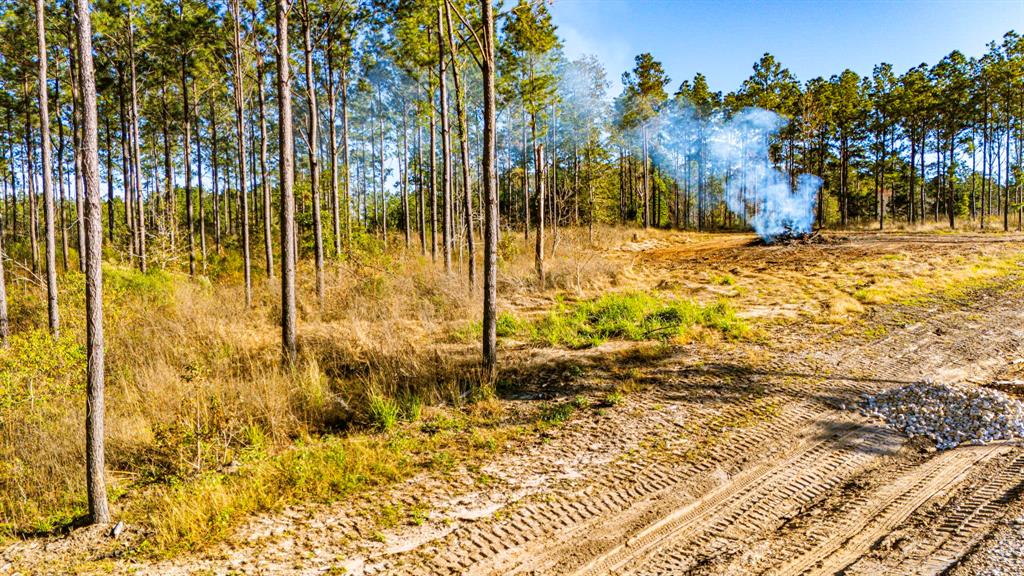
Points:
[726,458]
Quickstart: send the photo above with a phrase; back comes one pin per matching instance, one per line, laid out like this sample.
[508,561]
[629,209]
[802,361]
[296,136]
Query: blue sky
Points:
[723,39]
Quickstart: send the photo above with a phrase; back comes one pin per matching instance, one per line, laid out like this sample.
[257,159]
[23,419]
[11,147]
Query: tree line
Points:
[299,129]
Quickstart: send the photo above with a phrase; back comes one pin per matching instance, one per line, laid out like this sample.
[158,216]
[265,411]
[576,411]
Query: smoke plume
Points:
[733,153]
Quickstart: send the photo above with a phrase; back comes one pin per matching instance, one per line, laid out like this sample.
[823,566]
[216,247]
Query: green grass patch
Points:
[613,398]
[633,316]
[723,279]
[509,325]
[468,332]
[382,411]
[556,413]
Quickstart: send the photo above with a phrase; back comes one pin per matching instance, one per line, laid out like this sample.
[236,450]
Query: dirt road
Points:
[773,475]
[810,489]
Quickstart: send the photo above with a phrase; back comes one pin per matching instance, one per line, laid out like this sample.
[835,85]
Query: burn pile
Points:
[791,237]
[948,414]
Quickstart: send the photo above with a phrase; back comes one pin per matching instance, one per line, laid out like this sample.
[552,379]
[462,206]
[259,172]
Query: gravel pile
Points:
[949,415]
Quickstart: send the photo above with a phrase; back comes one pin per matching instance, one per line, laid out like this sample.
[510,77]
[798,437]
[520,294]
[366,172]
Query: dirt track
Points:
[811,490]
[804,488]
[741,458]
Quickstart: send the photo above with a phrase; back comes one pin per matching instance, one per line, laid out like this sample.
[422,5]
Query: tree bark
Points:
[421,205]
[460,113]
[314,157]
[44,136]
[647,183]
[239,95]
[99,511]
[126,169]
[187,143]
[490,185]
[268,247]
[539,248]
[199,186]
[5,331]
[345,160]
[446,146]
[526,183]
[76,133]
[403,166]
[285,159]
[380,159]
[140,225]
[169,193]
[332,108]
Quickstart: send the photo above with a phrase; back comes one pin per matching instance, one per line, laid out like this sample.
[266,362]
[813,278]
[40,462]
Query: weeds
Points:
[632,316]
[613,398]
[559,412]
[382,412]
[189,515]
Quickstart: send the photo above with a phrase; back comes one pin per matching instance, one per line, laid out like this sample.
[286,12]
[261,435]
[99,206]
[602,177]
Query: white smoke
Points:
[734,152]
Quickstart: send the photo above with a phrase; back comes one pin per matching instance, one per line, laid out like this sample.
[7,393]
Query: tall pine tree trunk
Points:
[490,186]
[421,205]
[539,246]
[446,147]
[433,182]
[99,511]
[460,113]
[44,133]
[215,160]
[345,160]
[286,157]
[199,187]
[314,152]
[187,111]
[268,247]
[140,224]
[332,108]
[76,139]
[126,168]
[239,94]
[403,165]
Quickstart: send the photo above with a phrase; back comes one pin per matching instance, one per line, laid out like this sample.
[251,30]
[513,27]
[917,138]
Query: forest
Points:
[256,254]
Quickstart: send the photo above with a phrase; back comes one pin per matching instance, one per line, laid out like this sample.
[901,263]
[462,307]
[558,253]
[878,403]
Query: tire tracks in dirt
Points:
[672,513]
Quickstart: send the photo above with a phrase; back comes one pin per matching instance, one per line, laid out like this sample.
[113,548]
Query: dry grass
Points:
[203,426]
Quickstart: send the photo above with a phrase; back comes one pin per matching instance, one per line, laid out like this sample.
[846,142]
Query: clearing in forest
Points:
[675,403]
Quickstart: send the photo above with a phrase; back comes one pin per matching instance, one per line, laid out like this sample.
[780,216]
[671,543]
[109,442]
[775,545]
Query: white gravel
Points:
[949,414]
[1005,557]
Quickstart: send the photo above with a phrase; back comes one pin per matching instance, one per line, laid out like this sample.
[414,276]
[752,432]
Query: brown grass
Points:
[204,427]
[194,386]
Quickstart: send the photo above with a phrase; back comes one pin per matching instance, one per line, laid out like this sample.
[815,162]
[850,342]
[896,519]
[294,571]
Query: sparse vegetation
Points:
[613,398]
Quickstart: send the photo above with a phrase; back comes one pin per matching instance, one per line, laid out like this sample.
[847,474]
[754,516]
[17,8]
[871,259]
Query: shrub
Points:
[508,325]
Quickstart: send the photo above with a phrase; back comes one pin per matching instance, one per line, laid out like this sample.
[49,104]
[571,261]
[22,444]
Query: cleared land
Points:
[728,447]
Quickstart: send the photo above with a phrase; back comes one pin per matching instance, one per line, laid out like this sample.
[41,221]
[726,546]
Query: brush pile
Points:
[949,415]
[790,236]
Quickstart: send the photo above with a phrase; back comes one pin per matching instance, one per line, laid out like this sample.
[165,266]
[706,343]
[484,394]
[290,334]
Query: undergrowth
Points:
[323,469]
